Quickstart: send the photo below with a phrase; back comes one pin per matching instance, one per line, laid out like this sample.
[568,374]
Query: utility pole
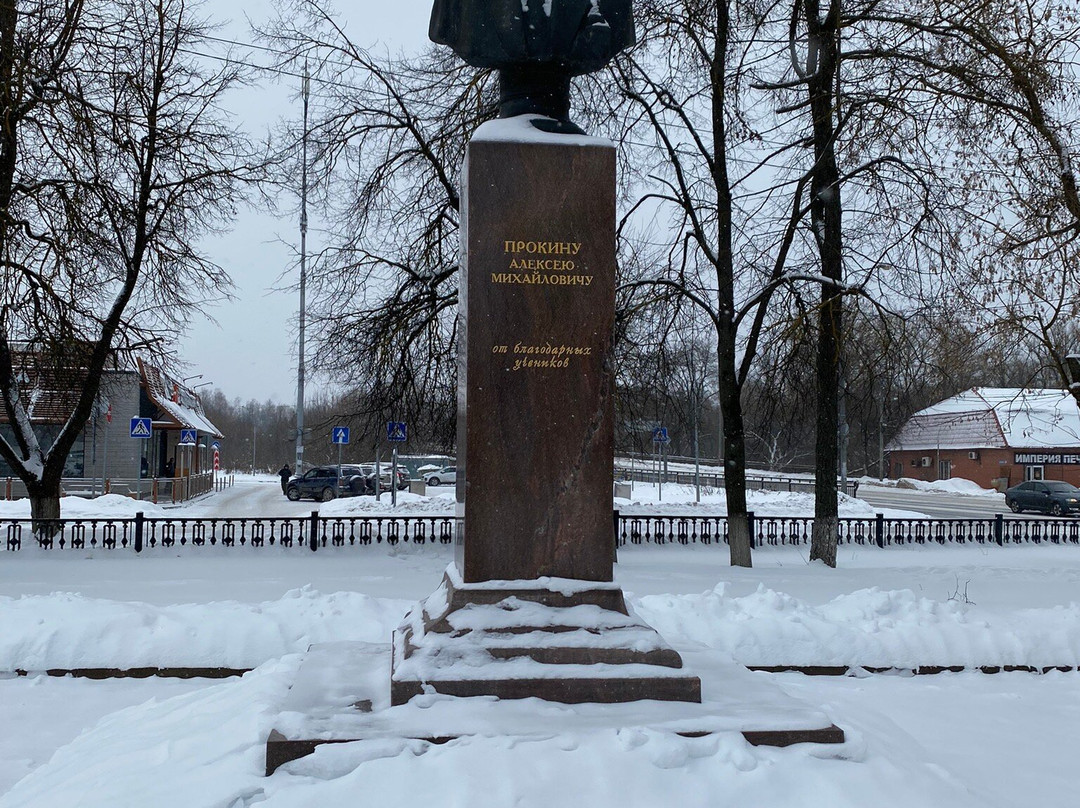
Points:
[303,282]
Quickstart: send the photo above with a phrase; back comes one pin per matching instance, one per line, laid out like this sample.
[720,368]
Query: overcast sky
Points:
[251,352]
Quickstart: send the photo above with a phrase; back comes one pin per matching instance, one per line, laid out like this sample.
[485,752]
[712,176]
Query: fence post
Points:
[139,517]
[750,528]
[108,485]
[879,530]
[615,545]
[7,490]
[313,540]
[999,529]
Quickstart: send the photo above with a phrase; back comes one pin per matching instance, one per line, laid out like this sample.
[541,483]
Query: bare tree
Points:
[118,157]
[389,135]
[684,89]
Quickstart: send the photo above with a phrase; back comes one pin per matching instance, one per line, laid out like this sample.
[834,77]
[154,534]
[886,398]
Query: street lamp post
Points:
[303,281]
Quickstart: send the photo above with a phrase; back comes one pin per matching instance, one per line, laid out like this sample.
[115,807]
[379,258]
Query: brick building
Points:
[996,437]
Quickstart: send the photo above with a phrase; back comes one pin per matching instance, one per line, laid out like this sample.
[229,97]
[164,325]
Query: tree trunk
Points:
[739,539]
[44,508]
[826,221]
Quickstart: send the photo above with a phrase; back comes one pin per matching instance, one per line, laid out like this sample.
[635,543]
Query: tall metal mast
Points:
[303,282]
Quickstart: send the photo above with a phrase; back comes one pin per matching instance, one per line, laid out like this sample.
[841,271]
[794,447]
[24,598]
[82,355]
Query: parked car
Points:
[444,476]
[323,483]
[384,478]
[1048,496]
[353,480]
[320,482]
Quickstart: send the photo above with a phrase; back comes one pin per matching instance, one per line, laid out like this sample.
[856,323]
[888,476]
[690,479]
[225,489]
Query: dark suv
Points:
[1049,496]
[322,483]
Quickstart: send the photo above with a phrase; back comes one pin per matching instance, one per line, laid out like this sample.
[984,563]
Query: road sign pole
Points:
[105,461]
[393,479]
[660,470]
[663,471]
[339,462]
[378,474]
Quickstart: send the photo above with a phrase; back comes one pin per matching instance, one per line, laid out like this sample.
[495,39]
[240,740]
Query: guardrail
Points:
[154,489]
[314,531]
[715,479]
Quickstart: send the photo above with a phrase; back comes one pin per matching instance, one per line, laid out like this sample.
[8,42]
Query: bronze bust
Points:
[537,46]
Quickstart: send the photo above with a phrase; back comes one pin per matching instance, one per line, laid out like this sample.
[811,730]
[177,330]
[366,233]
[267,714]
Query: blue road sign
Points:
[140,428]
[660,435]
[396,431]
[340,434]
[188,436]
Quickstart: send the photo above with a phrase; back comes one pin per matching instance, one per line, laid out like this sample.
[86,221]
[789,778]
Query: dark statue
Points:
[537,49]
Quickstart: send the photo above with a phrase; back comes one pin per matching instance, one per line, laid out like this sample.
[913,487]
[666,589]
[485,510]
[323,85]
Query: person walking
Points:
[285,474]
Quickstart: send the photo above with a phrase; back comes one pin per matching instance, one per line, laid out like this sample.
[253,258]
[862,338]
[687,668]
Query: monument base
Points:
[557,639]
[340,695]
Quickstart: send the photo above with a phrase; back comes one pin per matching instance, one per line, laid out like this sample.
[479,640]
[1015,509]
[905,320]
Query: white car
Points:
[444,476]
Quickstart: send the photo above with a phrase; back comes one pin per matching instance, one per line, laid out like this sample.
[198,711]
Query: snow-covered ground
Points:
[967,739]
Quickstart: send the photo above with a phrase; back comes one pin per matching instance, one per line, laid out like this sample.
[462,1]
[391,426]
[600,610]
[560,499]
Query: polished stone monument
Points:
[529,608]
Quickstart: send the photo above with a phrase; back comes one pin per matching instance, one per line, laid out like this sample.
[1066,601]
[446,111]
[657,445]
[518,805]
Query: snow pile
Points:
[957,485]
[203,748]
[103,507]
[441,504]
[70,631]
[868,627]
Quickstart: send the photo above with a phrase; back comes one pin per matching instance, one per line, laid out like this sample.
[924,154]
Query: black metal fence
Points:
[141,532]
[777,531]
[314,531]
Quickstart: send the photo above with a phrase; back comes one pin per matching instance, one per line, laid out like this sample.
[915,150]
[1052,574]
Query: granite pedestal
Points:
[535,444]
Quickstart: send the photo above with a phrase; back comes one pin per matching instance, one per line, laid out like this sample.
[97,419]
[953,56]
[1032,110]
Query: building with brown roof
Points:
[996,437]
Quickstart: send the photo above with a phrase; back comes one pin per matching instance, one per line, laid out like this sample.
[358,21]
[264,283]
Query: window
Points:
[944,469]
[1033,472]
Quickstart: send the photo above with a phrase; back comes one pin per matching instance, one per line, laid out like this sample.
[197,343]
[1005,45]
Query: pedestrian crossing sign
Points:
[140,427]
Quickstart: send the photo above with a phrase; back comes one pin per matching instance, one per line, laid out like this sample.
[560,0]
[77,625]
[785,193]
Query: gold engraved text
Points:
[539,279]
[542,247]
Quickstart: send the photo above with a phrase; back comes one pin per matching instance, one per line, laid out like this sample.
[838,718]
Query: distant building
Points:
[997,437]
[105,448]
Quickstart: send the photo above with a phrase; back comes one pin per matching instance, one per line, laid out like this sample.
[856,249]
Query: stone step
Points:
[555,645]
[563,689]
